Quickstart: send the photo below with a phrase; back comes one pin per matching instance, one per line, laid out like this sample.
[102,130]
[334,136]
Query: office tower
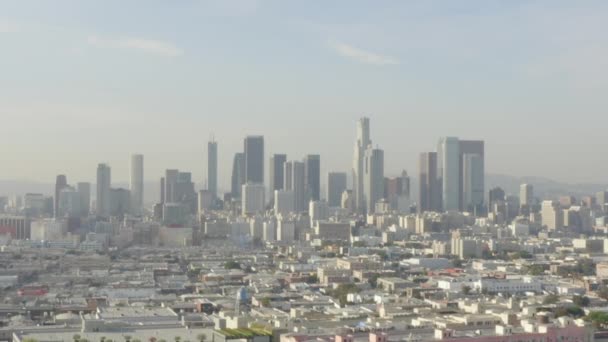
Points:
[253,200]
[448,163]
[373,180]
[276,171]
[254,159]
[312,167]
[336,185]
[294,176]
[205,201]
[136,183]
[212,168]
[526,194]
[34,205]
[429,194]
[496,195]
[397,190]
[461,173]
[238,174]
[170,185]
[318,211]
[473,183]
[162,190]
[69,203]
[84,190]
[472,180]
[284,202]
[60,183]
[552,215]
[104,183]
[361,145]
[120,202]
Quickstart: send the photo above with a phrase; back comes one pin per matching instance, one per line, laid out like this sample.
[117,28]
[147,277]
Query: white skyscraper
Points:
[448,153]
[373,180]
[104,183]
[362,143]
[136,183]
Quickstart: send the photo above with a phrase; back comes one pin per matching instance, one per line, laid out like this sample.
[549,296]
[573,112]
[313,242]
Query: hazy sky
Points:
[83,82]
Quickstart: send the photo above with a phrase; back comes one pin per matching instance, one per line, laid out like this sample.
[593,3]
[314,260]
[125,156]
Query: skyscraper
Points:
[448,162]
[312,165]
[295,181]
[136,183]
[276,171]
[212,168]
[496,195]
[84,190]
[253,201]
[170,185]
[461,172]
[238,174]
[373,180]
[526,194]
[363,141]
[254,159]
[429,197]
[104,183]
[472,180]
[397,190]
[336,185]
[61,182]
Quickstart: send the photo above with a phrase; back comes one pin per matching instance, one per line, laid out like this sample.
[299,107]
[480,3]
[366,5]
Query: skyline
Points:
[526,78]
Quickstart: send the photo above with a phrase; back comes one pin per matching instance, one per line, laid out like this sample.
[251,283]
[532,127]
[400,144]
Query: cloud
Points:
[362,56]
[151,46]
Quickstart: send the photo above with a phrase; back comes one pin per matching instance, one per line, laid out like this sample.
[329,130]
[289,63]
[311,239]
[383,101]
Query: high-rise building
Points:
[69,203]
[373,180]
[284,202]
[473,182]
[294,176]
[170,185]
[84,190]
[495,195]
[448,163]
[397,190]
[312,166]
[472,179]
[336,185]
[254,159]
[136,183]
[104,183]
[461,173]
[238,174]
[120,202]
[162,190]
[526,194]
[552,215]
[276,171]
[361,145]
[212,168]
[429,194]
[253,201]
[61,182]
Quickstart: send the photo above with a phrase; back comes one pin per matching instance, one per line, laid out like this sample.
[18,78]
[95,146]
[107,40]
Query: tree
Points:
[551,299]
[177,338]
[457,263]
[602,292]
[373,280]
[201,337]
[582,301]
[342,291]
[265,302]
[232,265]
[76,337]
[466,290]
[598,318]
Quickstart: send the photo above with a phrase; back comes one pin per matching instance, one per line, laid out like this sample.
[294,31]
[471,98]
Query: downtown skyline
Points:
[419,70]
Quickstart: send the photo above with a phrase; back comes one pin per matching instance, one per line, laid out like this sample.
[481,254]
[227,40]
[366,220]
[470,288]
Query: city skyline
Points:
[419,70]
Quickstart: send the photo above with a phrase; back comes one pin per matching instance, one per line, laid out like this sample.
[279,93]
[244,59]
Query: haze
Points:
[84,83]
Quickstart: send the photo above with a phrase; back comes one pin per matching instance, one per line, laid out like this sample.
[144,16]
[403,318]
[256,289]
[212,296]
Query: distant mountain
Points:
[543,187]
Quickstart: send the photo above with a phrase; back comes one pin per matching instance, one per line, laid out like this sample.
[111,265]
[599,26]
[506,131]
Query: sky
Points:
[84,82]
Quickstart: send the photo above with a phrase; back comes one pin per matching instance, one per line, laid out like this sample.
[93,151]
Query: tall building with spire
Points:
[362,143]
